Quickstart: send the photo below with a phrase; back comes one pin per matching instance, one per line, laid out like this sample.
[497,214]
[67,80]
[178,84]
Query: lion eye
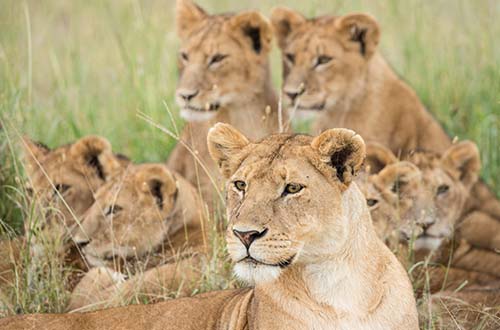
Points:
[442,189]
[112,209]
[217,58]
[61,188]
[293,188]
[184,56]
[290,57]
[240,185]
[322,59]
[371,202]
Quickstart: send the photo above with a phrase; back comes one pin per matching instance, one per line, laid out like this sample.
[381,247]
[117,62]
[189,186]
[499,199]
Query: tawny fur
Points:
[145,218]
[224,63]
[332,70]
[318,267]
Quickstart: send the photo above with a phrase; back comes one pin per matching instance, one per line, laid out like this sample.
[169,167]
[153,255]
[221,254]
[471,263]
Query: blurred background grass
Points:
[71,68]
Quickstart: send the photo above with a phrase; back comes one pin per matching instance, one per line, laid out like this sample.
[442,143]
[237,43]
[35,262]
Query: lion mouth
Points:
[208,107]
[314,107]
[282,264]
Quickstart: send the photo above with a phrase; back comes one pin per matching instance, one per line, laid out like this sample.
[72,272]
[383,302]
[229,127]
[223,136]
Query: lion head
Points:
[135,213]
[325,59]
[65,179]
[399,202]
[290,198]
[450,178]
[223,60]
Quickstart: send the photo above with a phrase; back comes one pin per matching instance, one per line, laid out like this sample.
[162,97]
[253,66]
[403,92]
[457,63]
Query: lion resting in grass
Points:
[421,199]
[147,217]
[299,230]
[61,186]
[224,76]
[333,71]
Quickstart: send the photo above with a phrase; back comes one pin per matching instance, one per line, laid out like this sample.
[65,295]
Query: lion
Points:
[333,71]
[398,201]
[147,217]
[224,76]
[437,193]
[61,184]
[65,179]
[299,231]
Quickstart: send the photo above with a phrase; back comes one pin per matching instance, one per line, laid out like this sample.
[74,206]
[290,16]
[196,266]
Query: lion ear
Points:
[343,150]
[94,153]
[188,15]
[225,144]
[378,157]
[253,27]
[157,181]
[462,161]
[284,21]
[359,32]
[34,152]
[395,175]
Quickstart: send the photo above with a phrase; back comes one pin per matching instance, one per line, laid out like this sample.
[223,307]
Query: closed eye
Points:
[184,56]
[112,209]
[217,58]
[61,188]
[290,57]
[322,59]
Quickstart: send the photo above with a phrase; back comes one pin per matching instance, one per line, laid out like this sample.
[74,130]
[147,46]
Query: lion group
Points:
[324,230]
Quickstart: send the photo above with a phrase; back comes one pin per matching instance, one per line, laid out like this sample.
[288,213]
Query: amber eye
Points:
[322,59]
[442,189]
[371,202]
[217,58]
[290,57]
[240,185]
[293,188]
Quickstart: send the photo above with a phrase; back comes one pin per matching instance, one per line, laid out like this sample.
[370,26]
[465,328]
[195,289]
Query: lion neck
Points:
[344,282]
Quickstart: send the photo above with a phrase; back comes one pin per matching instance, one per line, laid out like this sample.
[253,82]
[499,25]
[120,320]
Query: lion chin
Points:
[197,115]
[252,273]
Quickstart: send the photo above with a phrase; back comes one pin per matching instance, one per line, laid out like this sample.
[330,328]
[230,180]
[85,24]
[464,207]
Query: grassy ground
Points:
[71,68]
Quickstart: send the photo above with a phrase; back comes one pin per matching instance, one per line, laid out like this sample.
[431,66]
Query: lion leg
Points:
[102,287]
[94,288]
[479,260]
[481,230]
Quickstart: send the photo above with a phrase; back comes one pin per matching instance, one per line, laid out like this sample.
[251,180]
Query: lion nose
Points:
[248,237]
[293,93]
[187,94]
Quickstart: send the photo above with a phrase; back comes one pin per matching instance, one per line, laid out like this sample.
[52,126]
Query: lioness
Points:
[62,182]
[406,202]
[224,76]
[147,217]
[299,230]
[333,71]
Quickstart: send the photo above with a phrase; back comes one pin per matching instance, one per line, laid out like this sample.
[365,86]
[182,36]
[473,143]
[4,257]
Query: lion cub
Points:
[299,231]
[148,216]
[224,76]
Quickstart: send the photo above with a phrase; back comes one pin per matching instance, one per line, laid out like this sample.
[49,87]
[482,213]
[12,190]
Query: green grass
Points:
[71,68]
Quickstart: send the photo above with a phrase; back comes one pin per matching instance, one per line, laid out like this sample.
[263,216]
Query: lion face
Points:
[132,215]
[275,216]
[449,177]
[222,60]
[325,59]
[399,202]
[64,179]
